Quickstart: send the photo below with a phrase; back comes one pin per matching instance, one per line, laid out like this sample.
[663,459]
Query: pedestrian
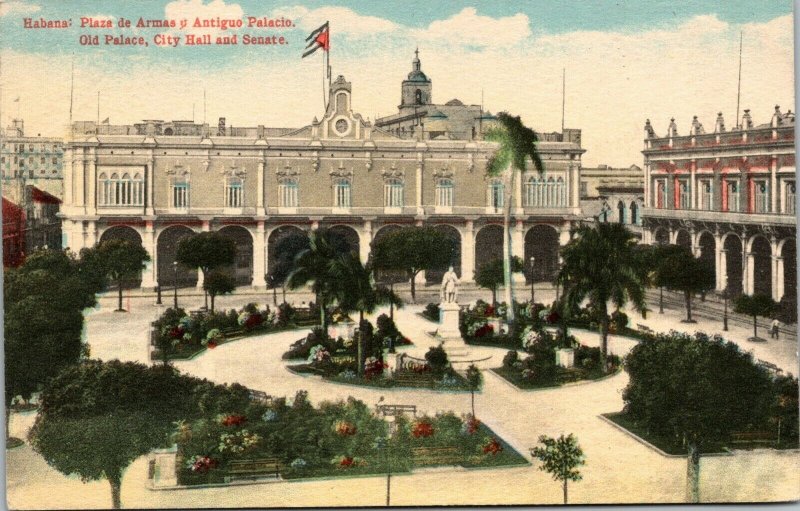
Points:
[774,330]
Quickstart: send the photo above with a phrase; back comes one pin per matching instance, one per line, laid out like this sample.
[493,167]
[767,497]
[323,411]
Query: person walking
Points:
[773,333]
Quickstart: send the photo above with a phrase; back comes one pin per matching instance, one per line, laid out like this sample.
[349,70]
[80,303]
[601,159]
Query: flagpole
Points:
[324,95]
[71,90]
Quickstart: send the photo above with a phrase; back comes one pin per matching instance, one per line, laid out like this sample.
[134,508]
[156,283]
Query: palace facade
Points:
[729,196]
[156,182]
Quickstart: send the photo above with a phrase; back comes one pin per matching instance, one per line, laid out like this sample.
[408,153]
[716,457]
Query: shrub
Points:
[510,359]
[285,315]
[437,359]
[619,321]
[432,311]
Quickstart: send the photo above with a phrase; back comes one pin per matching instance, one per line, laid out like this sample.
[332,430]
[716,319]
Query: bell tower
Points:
[417,87]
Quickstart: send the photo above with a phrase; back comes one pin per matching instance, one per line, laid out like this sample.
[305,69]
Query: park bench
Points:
[770,366]
[436,455]
[747,437]
[260,397]
[395,410]
[252,469]
[644,328]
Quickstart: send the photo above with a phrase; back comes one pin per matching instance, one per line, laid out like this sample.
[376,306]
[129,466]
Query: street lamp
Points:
[175,287]
[725,314]
[533,296]
[382,443]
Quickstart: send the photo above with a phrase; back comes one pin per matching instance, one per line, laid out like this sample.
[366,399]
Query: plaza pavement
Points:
[618,468]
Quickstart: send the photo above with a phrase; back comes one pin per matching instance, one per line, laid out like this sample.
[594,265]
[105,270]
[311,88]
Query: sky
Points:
[625,62]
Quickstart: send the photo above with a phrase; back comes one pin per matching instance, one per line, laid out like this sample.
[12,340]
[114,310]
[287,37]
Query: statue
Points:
[449,292]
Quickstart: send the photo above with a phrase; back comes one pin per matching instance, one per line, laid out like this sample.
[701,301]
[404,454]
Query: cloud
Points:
[343,20]
[17,7]
[471,29]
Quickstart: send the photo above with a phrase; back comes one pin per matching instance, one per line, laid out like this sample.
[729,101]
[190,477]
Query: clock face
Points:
[342,125]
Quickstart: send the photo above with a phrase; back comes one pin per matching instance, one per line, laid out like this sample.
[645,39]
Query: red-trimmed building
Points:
[13,234]
[30,222]
[729,196]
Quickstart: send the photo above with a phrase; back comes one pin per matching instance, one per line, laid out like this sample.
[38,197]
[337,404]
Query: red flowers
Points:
[202,464]
[422,429]
[346,462]
[176,332]
[234,420]
[489,311]
[472,425]
[485,330]
[492,447]
[553,317]
[253,321]
[211,345]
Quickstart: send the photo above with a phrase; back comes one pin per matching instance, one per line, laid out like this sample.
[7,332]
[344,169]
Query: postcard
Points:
[358,254]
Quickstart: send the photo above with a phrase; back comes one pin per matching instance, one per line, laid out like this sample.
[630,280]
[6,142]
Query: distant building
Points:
[13,234]
[729,196]
[613,195]
[39,160]
[30,221]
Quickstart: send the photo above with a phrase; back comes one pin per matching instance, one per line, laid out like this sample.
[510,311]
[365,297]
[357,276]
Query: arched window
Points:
[634,213]
[531,184]
[341,193]
[103,189]
[234,192]
[621,212]
[444,192]
[418,97]
[561,196]
[393,193]
[496,194]
[288,193]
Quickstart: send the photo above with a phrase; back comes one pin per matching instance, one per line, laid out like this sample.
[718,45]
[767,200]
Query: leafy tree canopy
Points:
[121,258]
[677,269]
[207,250]
[413,249]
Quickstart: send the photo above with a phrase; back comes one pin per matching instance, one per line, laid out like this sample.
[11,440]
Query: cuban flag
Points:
[319,38]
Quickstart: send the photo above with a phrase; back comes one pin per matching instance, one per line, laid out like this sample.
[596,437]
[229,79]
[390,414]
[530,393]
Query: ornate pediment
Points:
[177,170]
[286,171]
[233,171]
[393,171]
[341,171]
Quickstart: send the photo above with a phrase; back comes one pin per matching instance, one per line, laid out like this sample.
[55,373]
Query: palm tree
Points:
[601,264]
[517,143]
[315,264]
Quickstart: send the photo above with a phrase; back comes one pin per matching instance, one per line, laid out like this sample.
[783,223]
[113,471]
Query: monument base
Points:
[448,321]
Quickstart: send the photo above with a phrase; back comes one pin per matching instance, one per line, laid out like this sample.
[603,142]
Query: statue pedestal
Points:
[448,320]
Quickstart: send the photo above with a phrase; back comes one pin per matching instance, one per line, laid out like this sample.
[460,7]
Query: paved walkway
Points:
[618,469]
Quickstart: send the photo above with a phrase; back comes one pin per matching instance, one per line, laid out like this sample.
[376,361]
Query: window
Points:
[341,193]
[706,195]
[180,194]
[234,193]
[393,193]
[418,97]
[683,194]
[287,193]
[584,188]
[496,194]
[791,198]
[43,160]
[120,190]
[621,212]
[444,193]
[661,186]
[732,196]
[761,189]
[55,161]
[634,214]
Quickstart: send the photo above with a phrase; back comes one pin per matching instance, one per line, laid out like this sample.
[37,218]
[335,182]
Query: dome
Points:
[417,76]
[454,102]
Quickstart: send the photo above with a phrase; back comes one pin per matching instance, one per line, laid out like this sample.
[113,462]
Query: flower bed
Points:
[184,335]
[333,439]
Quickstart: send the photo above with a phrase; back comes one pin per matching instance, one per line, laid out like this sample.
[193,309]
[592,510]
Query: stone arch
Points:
[683,239]
[387,276]
[166,249]
[242,268]
[733,263]
[488,244]
[762,265]
[661,236]
[435,276]
[788,251]
[348,236]
[283,244]
[708,250]
[126,233]
[541,242]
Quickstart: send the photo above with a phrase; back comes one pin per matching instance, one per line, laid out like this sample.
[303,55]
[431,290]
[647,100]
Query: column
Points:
[418,190]
[518,209]
[647,200]
[206,227]
[260,188]
[673,236]
[149,278]
[468,253]
[80,191]
[775,295]
[68,178]
[778,291]
[574,186]
[518,248]
[694,237]
[722,269]
[91,233]
[749,271]
[265,248]
[364,241]
[693,195]
[150,170]
[259,266]
[91,203]
[773,188]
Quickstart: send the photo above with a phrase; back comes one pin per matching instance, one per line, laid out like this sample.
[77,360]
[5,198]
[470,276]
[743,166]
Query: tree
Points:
[316,265]
[282,263]
[413,249]
[474,380]
[517,143]
[98,417]
[122,260]
[207,251]
[678,270]
[491,275]
[218,283]
[696,390]
[755,305]
[560,458]
[43,321]
[601,264]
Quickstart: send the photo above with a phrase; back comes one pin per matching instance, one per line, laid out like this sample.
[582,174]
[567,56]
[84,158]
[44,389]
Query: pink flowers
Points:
[234,420]
[202,464]
[422,429]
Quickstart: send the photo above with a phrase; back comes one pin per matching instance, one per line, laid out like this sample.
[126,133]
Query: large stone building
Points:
[729,196]
[611,194]
[157,182]
[37,160]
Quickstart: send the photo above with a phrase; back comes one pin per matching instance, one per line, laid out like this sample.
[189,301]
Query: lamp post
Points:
[661,300]
[725,313]
[175,286]
[533,296]
[382,443]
